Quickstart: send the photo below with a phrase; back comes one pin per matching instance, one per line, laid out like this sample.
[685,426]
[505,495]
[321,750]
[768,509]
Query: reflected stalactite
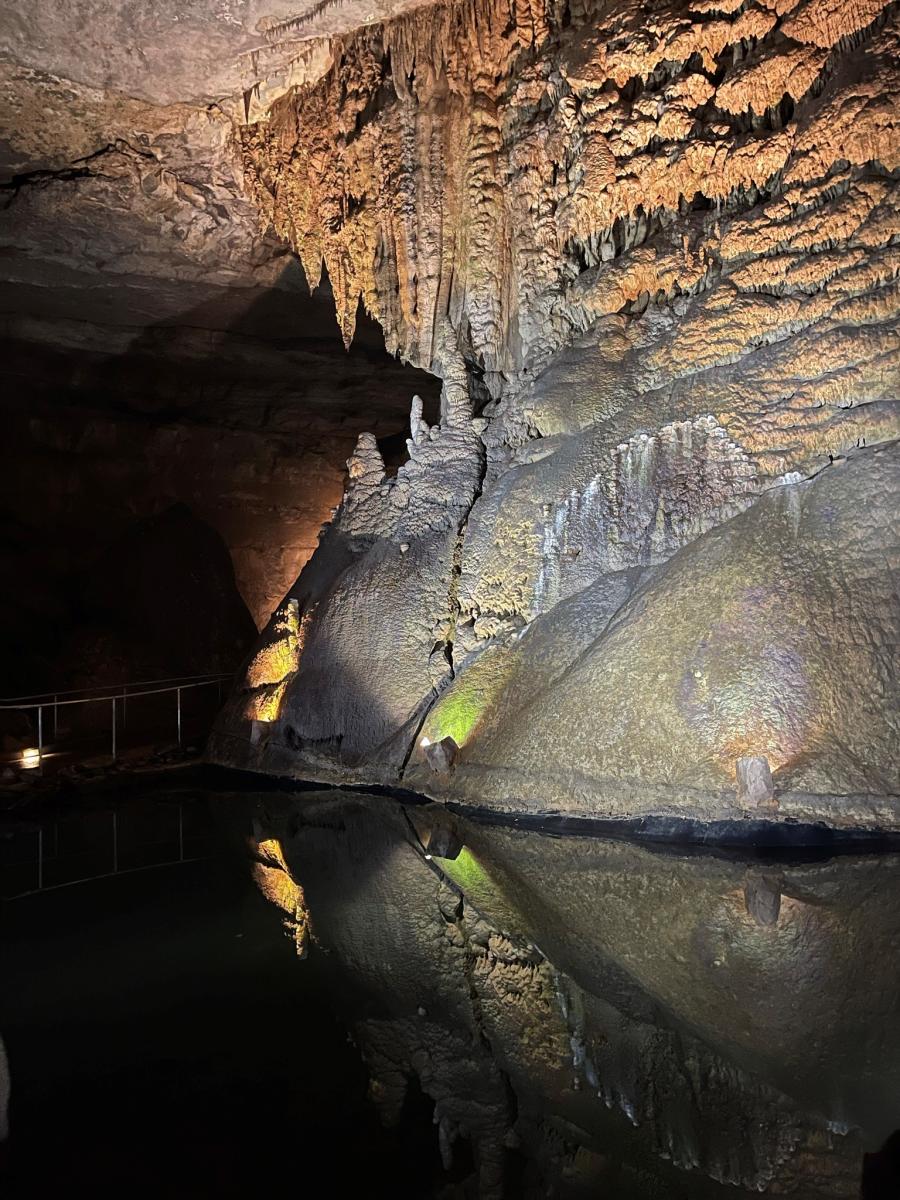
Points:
[608,1015]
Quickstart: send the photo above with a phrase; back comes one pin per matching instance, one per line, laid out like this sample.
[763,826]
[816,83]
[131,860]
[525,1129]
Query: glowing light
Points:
[277,663]
[30,759]
[265,706]
[426,741]
[467,873]
[274,880]
[270,849]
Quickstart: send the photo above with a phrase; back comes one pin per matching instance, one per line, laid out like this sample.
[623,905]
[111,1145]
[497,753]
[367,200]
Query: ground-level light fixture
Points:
[30,758]
[440,756]
[442,841]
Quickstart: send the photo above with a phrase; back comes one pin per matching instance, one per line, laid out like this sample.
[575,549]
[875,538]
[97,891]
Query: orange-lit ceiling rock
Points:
[654,250]
[465,164]
[159,347]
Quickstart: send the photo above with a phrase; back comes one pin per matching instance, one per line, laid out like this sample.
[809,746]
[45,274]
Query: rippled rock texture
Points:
[594,1017]
[650,250]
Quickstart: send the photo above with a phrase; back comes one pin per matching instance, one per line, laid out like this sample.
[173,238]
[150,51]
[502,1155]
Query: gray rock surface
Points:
[655,256]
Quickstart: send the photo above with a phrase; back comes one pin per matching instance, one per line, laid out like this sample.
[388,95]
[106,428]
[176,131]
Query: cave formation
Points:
[648,255]
[506,391]
[650,252]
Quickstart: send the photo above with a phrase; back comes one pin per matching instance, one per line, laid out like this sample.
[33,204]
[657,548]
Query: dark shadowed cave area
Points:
[449,626]
[170,455]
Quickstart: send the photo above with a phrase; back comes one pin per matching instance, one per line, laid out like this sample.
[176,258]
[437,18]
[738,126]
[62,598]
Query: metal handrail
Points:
[117,869]
[53,702]
[51,696]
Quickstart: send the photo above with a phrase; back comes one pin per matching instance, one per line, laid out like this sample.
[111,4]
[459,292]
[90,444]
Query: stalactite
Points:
[440,164]
[655,253]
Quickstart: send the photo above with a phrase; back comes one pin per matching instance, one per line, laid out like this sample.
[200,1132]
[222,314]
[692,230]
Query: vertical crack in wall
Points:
[453,606]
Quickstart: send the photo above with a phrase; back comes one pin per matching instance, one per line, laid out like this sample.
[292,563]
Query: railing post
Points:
[41,738]
[178,690]
[114,729]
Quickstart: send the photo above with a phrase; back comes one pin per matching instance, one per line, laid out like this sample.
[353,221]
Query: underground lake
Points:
[401,1001]
[449,610]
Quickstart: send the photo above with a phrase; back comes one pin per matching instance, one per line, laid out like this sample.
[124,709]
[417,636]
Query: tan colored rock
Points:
[654,253]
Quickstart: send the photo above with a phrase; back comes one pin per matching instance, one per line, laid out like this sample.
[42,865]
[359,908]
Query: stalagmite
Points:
[754,782]
[651,258]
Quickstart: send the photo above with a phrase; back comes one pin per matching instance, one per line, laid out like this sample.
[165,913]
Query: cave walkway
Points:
[51,730]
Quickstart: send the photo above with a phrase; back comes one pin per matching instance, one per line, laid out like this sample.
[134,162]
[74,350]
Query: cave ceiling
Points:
[159,346]
[116,147]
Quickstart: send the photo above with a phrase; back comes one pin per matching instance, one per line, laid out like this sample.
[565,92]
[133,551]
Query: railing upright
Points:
[57,700]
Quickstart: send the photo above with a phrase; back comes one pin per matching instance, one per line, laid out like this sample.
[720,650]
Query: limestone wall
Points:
[651,253]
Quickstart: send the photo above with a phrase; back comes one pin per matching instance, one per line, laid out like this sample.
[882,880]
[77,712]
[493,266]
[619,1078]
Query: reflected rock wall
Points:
[596,1016]
[650,253]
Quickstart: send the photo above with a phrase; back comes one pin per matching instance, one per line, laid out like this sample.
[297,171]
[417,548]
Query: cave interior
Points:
[496,400]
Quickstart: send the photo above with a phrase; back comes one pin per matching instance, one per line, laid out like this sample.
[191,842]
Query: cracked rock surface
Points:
[651,251]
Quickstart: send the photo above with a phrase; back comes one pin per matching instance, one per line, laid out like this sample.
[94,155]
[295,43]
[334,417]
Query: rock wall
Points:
[244,408]
[651,254]
[156,346]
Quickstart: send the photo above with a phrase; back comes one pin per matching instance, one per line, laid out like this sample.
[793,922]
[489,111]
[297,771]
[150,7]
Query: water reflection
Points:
[590,1014]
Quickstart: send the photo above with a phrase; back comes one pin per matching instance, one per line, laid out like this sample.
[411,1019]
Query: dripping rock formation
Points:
[651,251]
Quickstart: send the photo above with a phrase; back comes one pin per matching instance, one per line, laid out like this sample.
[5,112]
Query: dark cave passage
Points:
[166,468]
[162,1041]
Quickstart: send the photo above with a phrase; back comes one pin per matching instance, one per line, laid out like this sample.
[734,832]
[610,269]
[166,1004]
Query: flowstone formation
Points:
[652,253]
[594,1017]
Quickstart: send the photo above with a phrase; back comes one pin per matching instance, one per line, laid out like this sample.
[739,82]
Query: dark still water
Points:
[427,1007]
